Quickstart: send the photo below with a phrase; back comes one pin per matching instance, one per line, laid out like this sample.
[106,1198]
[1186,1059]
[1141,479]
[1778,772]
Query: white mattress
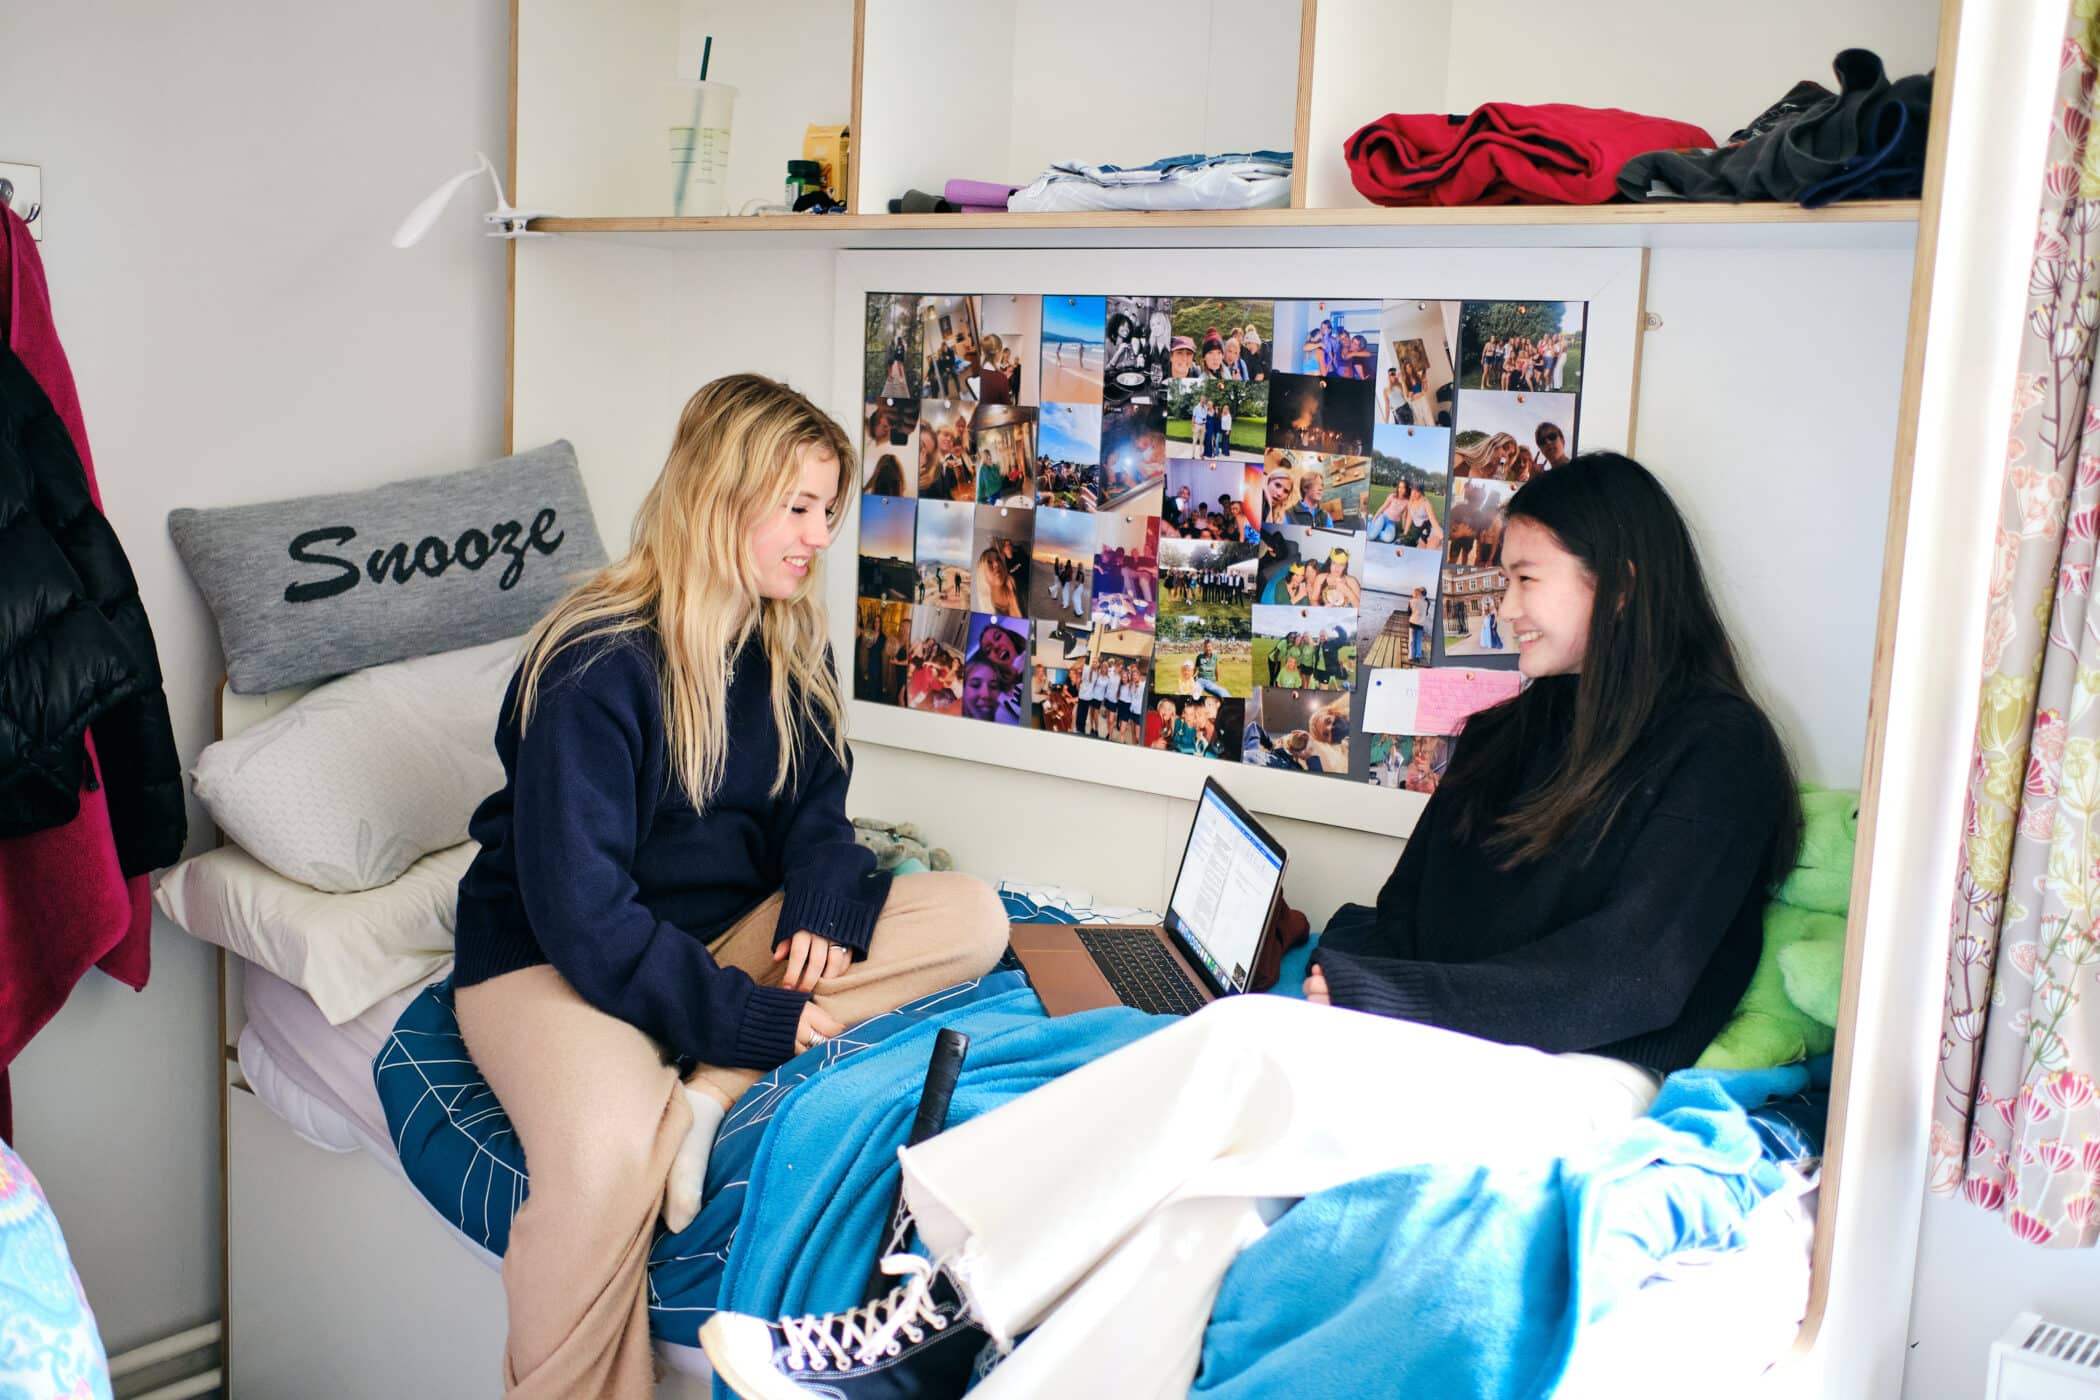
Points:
[318,1079]
[1712,1323]
[315,1076]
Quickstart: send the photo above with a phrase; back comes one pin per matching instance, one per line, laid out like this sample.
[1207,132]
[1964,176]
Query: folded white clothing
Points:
[1261,180]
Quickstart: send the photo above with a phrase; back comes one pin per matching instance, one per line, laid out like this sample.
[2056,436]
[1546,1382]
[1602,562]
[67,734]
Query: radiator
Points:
[176,1367]
[2038,1359]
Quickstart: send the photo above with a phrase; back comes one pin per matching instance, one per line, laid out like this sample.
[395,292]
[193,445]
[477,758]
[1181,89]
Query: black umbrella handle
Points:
[942,1071]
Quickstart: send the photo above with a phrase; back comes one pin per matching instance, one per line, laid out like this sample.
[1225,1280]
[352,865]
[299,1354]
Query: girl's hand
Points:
[1316,988]
[810,959]
[814,1028]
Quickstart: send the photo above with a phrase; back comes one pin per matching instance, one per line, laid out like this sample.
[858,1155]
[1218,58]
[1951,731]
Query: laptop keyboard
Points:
[1140,970]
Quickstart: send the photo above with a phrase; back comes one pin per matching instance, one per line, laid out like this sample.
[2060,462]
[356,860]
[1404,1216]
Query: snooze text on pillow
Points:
[430,557]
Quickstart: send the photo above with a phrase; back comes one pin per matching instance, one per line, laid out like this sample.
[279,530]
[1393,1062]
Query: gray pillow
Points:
[316,586]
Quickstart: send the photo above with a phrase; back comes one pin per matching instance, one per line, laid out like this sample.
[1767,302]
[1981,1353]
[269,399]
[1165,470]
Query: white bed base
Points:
[339,1282]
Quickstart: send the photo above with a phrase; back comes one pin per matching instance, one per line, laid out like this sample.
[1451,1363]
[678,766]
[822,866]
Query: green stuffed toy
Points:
[1789,1011]
[898,847]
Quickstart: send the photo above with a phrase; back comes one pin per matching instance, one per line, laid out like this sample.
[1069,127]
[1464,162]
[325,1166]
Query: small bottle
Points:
[803,177]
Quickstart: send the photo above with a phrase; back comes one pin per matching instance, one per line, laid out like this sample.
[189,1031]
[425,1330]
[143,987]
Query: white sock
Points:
[689,1167]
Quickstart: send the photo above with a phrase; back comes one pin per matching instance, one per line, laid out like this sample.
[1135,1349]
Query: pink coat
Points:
[65,905]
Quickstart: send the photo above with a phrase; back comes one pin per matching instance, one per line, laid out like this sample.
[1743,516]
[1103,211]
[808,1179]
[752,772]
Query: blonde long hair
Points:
[688,575]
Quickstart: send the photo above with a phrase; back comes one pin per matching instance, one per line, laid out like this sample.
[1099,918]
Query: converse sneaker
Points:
[916,1342]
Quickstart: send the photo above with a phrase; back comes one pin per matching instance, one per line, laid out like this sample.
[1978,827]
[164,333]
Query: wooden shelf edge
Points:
[1512,215]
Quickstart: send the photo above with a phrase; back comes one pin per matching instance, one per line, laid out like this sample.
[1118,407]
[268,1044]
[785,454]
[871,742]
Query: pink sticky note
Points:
[1449,694]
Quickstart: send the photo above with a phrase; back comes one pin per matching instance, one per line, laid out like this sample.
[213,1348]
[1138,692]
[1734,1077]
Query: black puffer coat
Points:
[76,651]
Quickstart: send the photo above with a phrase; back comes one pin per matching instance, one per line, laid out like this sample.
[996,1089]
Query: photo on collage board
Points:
[1074,348]
[1217,417]
[1306,568]
[881,651]
[1060,657]
[1397,618]
[1304,731]
[1002,443]
[893,352]
[1473,537]
[1205,630]
[1068,456]
[1138,332]
[1133,456]
[1061,588]
[942,548]
[939,639]
[1416,384]
[1410,480]
[1211,499]
[1000,545]
[1308,414]
[1471,601]
[1513,437]
[1521,346]
[1305,648]
[889,427]
[1126,573]
[1314,490]
[950,337]
[888,546]
[1333,340]
[995,670]
[1409,763]
[1221,338]
[947,465]
[1011,350]
[1200,726]
[1114,686]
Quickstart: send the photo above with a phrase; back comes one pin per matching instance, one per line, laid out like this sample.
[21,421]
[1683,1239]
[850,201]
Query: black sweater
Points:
[592,858]
[1639,951]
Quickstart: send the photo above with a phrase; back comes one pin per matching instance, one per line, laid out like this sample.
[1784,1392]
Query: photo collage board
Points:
[1253,531]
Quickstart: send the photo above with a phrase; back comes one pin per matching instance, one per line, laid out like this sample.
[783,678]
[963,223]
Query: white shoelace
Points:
[867,1333]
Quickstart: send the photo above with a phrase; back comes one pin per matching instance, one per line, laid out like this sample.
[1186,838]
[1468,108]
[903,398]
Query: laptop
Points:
[1218,918]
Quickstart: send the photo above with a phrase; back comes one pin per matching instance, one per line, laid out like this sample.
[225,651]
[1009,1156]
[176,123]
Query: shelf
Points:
[1783,227]
[1892,211]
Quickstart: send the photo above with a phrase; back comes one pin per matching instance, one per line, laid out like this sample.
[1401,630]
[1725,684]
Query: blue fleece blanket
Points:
[1472,1282]
[829,1159]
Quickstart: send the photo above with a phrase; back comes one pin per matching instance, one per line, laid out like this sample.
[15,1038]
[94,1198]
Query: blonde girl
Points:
[995,585]
[1279,488]
[667,887]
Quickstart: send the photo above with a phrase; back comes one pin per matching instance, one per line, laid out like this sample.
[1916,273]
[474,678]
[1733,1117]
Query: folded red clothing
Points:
[1507,153]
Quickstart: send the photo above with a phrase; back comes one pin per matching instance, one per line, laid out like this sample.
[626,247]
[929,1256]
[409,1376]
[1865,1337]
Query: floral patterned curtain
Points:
[2016,1118]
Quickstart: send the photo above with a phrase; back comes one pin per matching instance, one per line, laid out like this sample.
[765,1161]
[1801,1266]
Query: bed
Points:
[342,1280]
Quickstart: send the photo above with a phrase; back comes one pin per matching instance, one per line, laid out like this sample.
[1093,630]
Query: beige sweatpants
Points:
[600,1116]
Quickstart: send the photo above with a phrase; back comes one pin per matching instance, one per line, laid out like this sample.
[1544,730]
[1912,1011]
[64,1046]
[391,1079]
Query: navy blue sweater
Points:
[1638,949]
[592,858]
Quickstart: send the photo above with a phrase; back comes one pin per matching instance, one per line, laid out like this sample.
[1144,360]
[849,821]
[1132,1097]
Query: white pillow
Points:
[347,951]
[361,776]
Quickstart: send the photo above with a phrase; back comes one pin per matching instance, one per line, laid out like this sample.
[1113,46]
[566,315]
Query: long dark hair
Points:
[1655,642]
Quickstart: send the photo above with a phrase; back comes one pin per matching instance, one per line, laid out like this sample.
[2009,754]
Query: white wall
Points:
[221,181]
[1106,81]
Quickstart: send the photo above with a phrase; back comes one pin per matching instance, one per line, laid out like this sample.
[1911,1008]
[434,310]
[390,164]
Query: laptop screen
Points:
[1225,890]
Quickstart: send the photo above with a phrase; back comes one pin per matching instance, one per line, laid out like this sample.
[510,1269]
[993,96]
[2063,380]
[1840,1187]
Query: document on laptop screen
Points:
[1224,891]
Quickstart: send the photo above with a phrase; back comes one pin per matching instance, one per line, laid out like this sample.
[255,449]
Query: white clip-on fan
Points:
[503,221]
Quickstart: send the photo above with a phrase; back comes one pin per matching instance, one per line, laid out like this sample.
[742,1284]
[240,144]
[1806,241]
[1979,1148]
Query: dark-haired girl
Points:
[1577,911]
